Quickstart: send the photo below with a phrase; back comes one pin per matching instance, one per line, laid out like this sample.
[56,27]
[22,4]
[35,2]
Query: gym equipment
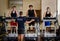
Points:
[58,34]
[50,28]
[32,32]
[2,28]
[10,35]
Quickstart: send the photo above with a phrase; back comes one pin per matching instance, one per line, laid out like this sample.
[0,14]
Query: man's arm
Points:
[35,13]
[29,21]
[9,13]
[44,14]
[27,14]
[51,15]
[17,13]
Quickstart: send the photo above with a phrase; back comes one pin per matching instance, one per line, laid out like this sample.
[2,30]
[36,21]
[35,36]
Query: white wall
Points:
[48,3]
[58,5]
[3,7]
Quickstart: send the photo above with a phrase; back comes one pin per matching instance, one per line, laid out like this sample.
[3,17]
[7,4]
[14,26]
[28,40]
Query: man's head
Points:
[48,8]
[30,6]
[14,7]
[21,13]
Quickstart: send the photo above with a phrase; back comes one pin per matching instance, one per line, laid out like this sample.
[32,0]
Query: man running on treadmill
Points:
[31,13]
[21,20]
[47,15]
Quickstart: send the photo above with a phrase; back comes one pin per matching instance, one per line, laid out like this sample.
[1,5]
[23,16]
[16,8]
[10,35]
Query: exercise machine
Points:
[49,27]
[2,29]
[32,32]
[11,36]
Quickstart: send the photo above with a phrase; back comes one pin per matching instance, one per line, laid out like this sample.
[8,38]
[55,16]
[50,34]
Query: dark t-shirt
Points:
[21,21]
[31,13]
[13,14]
[48,15]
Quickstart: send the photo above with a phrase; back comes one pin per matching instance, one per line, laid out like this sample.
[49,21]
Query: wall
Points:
[58,5]
[48,3]
[3,7]
[35,3]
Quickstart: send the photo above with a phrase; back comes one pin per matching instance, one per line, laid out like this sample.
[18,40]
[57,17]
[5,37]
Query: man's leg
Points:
[11,29]
[22,37]
[19,37]
[15,29]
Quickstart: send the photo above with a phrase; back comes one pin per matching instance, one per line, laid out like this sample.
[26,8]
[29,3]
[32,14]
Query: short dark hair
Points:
[48,8]
[13,6]
[20,13]
[30,5]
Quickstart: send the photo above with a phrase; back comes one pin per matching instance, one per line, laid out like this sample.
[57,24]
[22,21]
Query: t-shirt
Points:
[48,14]
[13,14]
[31,13]
[12,23]
[21,21]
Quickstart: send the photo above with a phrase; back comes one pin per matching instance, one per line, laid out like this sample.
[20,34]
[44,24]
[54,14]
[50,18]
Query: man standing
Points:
[21,20]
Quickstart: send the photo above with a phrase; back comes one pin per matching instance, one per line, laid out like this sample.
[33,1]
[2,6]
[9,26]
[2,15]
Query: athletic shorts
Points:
[13,27]
[32,23]
[21,30]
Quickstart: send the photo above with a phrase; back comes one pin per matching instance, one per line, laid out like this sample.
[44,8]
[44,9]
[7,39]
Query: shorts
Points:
[32,23]
[21,30]
[47,23]
[13,27]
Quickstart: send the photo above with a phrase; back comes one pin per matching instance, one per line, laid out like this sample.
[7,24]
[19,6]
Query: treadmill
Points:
[10,36]
[32,32]
[49,29]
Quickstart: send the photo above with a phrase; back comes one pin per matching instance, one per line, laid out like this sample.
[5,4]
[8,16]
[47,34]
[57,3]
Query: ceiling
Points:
[15,0]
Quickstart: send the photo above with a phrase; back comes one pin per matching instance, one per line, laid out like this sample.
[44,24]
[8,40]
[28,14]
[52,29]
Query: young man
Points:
[48,12]
[31,13]
[21,20]
[13,12]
